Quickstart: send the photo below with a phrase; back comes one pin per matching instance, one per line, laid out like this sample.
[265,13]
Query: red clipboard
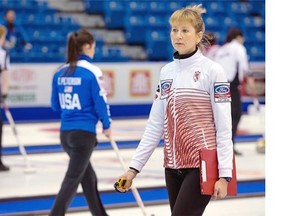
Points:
[209,173]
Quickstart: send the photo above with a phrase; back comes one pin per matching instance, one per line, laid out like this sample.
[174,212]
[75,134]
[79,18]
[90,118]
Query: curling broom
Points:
[133,188]
[28,168]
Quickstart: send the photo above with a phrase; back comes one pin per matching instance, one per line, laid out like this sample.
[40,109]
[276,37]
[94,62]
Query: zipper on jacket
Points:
[174,111]
[204,138]
[174,134]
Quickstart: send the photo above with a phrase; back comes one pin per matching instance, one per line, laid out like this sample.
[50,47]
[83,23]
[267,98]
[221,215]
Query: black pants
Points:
[184,193]
[236,110]
[79,146]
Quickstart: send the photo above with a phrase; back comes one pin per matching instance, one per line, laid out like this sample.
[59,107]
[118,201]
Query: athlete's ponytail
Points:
[76,42]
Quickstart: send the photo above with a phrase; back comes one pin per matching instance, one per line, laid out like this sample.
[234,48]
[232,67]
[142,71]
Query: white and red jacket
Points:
[233,58]
[191,111]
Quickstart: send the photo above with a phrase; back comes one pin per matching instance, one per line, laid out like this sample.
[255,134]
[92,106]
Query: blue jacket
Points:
[16,35]
[80,97]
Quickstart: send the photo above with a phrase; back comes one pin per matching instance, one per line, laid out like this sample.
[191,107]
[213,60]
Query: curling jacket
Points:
[4,60]
[233,58]
[191,110]
[80,97]
[4,65]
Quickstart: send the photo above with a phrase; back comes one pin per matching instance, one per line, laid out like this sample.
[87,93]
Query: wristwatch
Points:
[228,179]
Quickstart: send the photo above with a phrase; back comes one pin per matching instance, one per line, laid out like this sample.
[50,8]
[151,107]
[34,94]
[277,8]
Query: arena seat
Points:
[138,20]
[135,27]
[114,13]
[92,6]
[157,45]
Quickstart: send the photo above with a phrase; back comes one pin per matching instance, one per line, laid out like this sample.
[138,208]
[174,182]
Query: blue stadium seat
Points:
[257,8]
[173,5]
[229,21]
[254,36]
[157,8]
[220,35]
[94,7]
[256,52]
[17,56]
[144,23]
[19,4]
[212,22]
[114,54]
[260,36]
[134,28]
[157,45]
[239,8]
[136,8]
[5,4]
[114,13]
[156,22]
[215,7]
[98,54]
[253,22]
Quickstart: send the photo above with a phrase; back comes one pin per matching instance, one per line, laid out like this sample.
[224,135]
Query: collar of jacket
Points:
[85,57]
[176,55]
[189,59]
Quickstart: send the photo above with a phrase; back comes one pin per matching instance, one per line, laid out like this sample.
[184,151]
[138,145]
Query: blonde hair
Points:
[191,14]
[3,31]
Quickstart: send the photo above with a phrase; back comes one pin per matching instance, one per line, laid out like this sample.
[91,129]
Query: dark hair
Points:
[232,34]
[76,41]
[9,10]
[212,38]
[209,39]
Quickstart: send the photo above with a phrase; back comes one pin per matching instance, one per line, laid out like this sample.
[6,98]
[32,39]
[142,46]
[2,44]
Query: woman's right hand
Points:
[108,132]
[128,176]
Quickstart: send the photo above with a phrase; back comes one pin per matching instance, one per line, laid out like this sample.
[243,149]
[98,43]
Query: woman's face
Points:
[10,16]
[184,38]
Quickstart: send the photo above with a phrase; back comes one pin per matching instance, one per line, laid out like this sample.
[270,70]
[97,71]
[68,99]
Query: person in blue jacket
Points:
[78,93]
[16,37]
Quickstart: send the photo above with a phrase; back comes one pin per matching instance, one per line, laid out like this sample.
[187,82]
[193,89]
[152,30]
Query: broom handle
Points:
[133,188]
[15,132]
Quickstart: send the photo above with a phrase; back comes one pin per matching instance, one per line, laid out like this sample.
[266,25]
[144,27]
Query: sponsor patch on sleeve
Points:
[222,92]
[165,87]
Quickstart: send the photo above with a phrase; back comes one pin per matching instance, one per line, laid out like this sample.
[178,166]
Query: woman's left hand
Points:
[220,189]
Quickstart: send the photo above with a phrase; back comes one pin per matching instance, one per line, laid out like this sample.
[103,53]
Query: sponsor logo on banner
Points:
[23,86]
[140,83]
[24,75]
[222,92]
[109,82]
[257,88]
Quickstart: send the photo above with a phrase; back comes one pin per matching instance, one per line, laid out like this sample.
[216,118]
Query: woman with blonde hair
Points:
[189,112]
